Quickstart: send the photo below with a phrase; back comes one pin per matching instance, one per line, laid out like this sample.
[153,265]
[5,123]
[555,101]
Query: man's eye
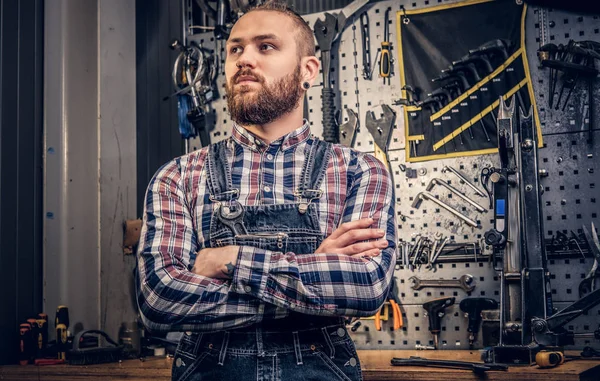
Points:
[235,50]
[266,47]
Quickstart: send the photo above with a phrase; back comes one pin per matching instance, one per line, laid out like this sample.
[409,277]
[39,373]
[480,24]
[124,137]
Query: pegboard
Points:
[550,26]
[570,197]
[565,136]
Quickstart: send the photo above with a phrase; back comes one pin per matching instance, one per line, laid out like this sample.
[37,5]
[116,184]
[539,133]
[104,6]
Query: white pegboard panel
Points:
[558,27]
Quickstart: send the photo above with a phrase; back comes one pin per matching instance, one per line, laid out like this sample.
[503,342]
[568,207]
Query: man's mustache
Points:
[246,73]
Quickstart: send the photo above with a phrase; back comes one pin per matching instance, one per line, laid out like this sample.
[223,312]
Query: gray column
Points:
[90,159]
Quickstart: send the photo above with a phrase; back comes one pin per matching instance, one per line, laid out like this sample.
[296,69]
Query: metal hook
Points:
[405,19]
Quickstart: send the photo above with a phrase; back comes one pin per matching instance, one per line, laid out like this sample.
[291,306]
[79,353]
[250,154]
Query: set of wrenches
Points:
[423,251]
[428,252]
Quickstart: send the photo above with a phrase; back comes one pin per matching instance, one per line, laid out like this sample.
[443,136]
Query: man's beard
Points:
[268,103]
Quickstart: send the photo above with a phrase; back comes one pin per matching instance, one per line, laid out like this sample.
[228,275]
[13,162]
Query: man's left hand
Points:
[218,262]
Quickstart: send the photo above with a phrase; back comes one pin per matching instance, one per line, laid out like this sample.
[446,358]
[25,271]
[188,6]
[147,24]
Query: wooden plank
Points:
[130,370]
[375,364]
[376,367]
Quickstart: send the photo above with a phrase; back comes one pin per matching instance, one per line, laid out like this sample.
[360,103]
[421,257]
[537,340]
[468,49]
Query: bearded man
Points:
[258,246]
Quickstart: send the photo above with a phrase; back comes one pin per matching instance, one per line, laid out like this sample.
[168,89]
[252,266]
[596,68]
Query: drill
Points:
[435,312]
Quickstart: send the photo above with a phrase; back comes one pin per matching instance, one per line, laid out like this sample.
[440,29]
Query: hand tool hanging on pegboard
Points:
[381,131]
[224,14]
[385,59]
[194,73]
[326,32]
[575,61]
[463,76]
[366,46]
[592,278]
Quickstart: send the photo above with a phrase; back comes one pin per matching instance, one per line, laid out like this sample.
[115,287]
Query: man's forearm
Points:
[317,284]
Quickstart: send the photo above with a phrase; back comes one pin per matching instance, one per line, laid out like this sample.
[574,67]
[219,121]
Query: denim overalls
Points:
[297,347]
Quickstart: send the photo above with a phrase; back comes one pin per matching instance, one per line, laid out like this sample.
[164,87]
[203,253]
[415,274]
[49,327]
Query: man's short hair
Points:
[305,41]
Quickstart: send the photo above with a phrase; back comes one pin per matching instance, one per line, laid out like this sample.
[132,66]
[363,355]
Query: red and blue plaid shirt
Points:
[176,226]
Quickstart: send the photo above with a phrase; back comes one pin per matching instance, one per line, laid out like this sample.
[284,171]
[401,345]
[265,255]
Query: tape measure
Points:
[548,359]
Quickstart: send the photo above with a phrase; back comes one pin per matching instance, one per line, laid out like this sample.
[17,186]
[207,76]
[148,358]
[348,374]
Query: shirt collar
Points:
[246,138]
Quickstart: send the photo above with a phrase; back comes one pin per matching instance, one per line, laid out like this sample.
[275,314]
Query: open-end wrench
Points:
[348,129]
[465,282]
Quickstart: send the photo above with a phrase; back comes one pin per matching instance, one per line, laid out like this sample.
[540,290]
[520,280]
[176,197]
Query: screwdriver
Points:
[62,316]
[25,342]
[42,321]
[385,66]
[61,324]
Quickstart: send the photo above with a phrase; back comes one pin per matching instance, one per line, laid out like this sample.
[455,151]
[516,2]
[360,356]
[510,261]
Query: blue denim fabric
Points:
[298,347]
[325,353]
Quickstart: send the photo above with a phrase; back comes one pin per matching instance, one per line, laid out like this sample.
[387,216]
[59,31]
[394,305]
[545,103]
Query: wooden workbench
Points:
[375,363]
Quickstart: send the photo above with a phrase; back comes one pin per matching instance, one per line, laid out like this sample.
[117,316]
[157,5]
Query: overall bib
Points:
[296,347]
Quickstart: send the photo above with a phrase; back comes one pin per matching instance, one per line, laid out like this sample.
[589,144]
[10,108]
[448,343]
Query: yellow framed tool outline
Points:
[522,51]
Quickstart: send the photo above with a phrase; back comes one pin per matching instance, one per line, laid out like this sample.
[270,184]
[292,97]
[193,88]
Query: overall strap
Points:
[313,172]
[219,180]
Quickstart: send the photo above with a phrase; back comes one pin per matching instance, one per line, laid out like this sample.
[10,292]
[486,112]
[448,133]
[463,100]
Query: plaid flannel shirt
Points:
[176,226]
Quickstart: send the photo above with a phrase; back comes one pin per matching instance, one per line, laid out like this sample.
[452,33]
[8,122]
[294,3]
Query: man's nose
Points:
[247,58]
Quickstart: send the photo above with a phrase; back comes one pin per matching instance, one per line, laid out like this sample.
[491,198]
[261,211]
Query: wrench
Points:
[435,181]
[465,282]
[428,196]
[463,178]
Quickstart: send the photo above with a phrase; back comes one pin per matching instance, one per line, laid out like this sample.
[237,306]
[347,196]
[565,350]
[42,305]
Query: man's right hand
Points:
[355,238]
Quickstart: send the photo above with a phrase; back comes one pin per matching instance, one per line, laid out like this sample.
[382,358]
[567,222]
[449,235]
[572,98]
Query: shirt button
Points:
[267,188]
[247,288]
[270,157]
[341,332]
[352,361]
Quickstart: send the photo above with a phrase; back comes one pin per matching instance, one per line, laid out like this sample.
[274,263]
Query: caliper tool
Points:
[435,312]
[326,32]
[588,284]
[476,367]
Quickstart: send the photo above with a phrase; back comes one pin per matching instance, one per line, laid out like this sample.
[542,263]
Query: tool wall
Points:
[569,199]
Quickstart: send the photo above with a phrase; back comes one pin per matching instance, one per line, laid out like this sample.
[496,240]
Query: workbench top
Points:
[375,363]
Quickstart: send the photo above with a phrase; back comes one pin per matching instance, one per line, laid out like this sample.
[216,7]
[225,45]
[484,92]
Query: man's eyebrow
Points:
[261,37]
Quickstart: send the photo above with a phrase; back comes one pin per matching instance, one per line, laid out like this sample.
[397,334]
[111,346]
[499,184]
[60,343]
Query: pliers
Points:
[394,303]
